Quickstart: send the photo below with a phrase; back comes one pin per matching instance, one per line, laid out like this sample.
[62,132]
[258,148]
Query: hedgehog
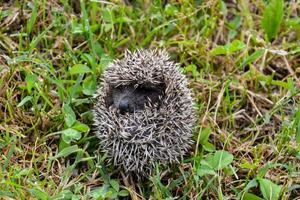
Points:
[144,112]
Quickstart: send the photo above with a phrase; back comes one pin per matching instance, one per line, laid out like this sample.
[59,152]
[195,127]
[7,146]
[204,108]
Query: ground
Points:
[242,59]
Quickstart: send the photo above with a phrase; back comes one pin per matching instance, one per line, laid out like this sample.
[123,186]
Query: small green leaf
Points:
[89,85]
[230,48]
[23,172]
[100,192]
[70,135]
[70,117]
[291,85]
[81,127]
[220,160]
[25,100]
[252,184]
[30,79]
[204,135]
[272,18]
[249,196]
[236,45]
[170,9]
[107,15]
[123,193]
[253,57]
[114,185]
[66,152]
[219,50]
[39,194]
[207,146]
[65,194]
[263,170]
[205,169]
[80,69]
[108,27]
[112,194]
[235,23]
[293,23]
[90,59]
[270,190]
[192,69]
[245,164]
[105,60]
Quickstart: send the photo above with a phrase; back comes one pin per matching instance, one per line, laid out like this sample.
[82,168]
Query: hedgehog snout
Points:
[125,105]
[131,98]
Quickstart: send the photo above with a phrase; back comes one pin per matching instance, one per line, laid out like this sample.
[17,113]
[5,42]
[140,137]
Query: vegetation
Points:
[243,63]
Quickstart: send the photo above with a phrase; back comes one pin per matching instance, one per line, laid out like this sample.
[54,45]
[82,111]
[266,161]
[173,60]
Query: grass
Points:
[245,75]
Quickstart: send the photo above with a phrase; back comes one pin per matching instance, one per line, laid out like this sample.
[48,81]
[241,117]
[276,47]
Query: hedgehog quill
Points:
[144,112]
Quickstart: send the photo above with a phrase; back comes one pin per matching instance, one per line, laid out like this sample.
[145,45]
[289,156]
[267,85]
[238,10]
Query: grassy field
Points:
[242,59]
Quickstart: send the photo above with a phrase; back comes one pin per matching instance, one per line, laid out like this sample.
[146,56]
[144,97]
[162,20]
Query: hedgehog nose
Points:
[124,106]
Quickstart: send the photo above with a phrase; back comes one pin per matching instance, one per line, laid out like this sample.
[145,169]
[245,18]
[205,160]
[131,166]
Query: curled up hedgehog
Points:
[144,112]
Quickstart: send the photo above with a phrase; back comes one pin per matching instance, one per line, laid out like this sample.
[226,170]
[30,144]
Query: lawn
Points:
[242,60]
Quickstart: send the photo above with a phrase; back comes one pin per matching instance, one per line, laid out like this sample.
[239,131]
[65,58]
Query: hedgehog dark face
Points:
[144,113]
[132,98]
